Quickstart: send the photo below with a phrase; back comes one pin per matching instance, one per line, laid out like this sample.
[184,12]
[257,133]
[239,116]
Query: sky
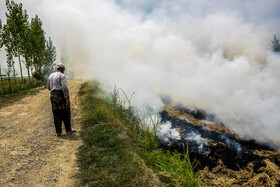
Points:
[202,54]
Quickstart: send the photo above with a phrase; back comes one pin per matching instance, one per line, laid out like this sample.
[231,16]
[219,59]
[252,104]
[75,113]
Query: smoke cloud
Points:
[211,55]
[167,135]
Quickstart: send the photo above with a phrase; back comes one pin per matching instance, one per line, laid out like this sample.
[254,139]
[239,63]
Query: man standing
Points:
[60,100]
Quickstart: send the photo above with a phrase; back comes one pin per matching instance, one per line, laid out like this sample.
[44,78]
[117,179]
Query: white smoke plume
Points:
[232,144]
[212,55]
[166,134]
[196,137]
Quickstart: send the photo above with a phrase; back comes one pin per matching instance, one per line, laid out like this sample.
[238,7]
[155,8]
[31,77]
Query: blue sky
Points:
[257,10]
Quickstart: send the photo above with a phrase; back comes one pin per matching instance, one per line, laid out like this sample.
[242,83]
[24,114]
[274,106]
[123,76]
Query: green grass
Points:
[173,168]
[118,150]
[107,156]
[16,87]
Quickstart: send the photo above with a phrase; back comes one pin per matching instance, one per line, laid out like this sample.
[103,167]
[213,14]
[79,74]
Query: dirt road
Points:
[30,152]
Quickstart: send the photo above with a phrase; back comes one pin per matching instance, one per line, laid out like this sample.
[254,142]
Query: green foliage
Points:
[28,48]
[51,52]
[11,87]
[1,41]
[16,23]
[38,75]
[275,44]
[7,41]
[38,42]
[112,138]
[173,167]
[27,39]
[50,56]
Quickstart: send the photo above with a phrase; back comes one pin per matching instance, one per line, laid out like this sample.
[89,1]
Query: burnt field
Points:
[221,156]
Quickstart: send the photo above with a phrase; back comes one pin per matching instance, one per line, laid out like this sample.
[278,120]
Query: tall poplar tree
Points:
[39,45]
[17,20]
[50,56]
[1,45]
[7,41]
[27,51]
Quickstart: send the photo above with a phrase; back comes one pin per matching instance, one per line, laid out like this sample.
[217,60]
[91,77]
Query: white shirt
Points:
[57,81]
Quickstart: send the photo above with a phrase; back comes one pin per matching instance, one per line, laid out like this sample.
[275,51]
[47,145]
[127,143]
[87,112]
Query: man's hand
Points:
[68,103]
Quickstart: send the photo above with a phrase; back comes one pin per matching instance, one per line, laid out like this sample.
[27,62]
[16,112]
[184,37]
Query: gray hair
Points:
[60,65]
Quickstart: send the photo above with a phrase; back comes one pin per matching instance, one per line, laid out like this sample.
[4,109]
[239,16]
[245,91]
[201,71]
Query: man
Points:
[60,100]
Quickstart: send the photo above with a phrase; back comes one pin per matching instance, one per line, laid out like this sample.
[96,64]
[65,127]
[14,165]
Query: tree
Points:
[10,63]
[275,44]
[1,45]
[50,57]
[17,20]
[39,44]
[7,41]
[27,50]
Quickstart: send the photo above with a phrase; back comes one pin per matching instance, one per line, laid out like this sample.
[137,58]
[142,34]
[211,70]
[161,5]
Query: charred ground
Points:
[222,157]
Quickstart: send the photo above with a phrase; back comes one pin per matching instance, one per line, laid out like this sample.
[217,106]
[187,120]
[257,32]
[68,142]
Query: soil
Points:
[30,152]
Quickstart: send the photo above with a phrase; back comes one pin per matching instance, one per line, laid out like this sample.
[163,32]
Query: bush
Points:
[38,75]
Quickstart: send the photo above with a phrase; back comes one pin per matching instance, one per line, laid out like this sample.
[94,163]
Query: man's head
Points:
[60,67]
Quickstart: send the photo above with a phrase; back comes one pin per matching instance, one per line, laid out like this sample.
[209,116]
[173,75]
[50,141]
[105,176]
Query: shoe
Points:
[58,134]
[72,131]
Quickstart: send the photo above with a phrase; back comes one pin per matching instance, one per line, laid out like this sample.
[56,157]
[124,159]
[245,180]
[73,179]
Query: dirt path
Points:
[30,152]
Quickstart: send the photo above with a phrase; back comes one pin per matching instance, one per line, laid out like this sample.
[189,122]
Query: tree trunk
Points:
[40,66]
[10,87]
[20,66]
[14,75]
[32,71]
[1,78]
[28,71]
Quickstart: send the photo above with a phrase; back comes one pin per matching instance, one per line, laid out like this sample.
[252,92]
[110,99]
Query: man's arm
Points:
[49,84]
[65,89]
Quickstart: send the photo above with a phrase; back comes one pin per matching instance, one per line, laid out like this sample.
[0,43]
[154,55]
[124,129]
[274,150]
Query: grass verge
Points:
[117,151]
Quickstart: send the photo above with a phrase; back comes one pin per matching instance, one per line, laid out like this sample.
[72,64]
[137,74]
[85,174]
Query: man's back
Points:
[54,81]
[57,81]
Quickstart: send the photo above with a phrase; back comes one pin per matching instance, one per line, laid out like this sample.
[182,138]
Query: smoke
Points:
[232,144]
[210,55]
[195,137]
[168,135]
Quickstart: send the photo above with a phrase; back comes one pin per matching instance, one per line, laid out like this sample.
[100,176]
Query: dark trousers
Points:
[61,113]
